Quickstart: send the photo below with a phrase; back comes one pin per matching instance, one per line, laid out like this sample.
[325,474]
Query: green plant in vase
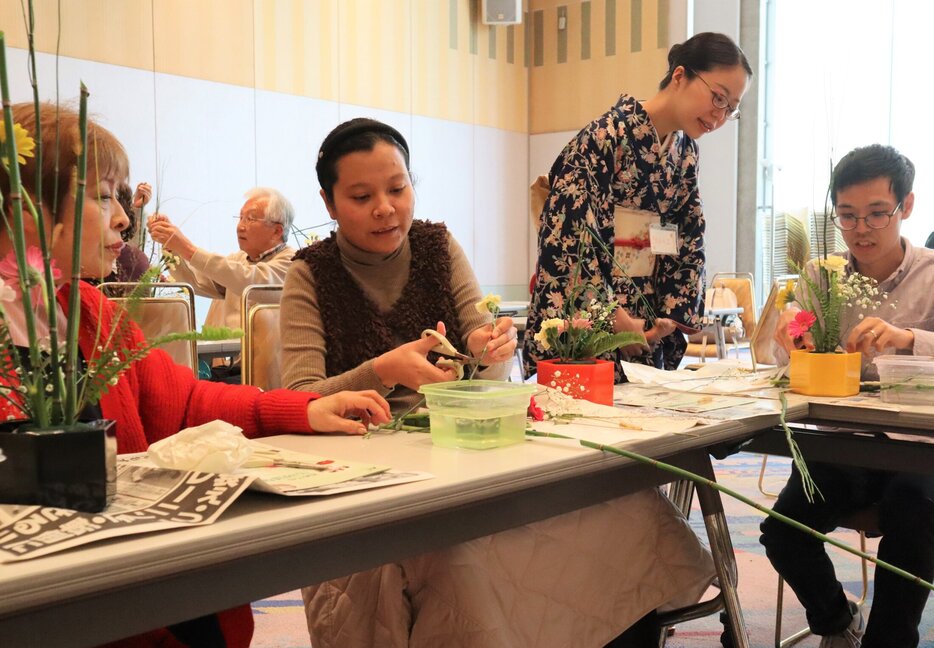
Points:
[821,297]
[57,450]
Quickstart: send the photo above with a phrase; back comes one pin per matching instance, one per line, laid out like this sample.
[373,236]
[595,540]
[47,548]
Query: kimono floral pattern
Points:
[616,160]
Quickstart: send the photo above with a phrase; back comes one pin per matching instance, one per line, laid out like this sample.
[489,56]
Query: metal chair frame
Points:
[249,331]
[751,316]
[258,294]
[122,289]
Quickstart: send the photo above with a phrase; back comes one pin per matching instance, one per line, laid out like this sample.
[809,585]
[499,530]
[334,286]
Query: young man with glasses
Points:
[872,194]
[263,228]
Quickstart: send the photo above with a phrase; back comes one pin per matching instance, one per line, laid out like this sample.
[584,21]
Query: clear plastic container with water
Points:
[905,379]
[477,414]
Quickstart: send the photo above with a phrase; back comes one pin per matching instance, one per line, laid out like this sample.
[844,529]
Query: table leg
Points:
[718,534]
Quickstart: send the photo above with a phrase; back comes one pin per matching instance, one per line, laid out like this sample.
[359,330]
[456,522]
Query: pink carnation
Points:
[582,323]
[801,324]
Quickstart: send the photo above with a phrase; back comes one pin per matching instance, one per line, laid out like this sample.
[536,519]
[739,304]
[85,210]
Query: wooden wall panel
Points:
[297,47]
[204,39]
[97,30]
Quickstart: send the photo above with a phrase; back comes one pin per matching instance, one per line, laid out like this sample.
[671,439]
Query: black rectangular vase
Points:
[73,467]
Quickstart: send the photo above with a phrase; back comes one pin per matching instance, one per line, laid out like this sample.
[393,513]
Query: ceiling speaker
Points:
[502,12]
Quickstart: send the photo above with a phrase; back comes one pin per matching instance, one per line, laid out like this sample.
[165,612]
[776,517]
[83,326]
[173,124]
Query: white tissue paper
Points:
[216,447]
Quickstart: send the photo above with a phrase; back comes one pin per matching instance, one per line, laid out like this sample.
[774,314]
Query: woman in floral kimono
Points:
[630,176]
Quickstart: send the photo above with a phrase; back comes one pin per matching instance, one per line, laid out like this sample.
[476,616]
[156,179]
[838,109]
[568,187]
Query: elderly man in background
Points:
[262,231]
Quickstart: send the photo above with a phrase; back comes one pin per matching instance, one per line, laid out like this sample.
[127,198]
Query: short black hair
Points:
[703,52]
[360,134]
[870,162]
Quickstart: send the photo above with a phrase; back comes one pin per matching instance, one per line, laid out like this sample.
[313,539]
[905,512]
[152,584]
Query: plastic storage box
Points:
[477,414]
[904,379]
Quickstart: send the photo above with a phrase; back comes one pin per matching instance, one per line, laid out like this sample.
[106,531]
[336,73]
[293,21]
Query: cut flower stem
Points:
[686,474]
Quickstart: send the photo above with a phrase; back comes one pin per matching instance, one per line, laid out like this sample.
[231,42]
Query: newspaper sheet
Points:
[158,499]
[148,499]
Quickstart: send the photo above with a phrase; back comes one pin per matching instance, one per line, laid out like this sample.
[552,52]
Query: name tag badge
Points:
[664,239]
[631,245]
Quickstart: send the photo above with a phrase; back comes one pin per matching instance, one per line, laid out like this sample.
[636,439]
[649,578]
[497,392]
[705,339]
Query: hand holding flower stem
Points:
[489,304]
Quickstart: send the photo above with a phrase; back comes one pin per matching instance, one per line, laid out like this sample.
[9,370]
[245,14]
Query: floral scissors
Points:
[454,359]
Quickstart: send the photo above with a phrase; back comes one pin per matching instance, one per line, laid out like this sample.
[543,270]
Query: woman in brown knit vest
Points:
[354,303]
[351,304]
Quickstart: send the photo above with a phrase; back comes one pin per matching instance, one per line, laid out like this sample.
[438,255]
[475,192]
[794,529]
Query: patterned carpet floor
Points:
[280,621]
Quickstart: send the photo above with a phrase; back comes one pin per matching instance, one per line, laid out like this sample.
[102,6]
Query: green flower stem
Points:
[19,241]
[742,498]
[396,422]
[810,488]
[74,313]
[54,373]
[36,210]
[494,311]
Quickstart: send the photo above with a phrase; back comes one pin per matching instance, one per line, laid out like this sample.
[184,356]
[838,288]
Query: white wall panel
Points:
[289,132]
[206,156]
[501,222]
[120,99]
[442,163]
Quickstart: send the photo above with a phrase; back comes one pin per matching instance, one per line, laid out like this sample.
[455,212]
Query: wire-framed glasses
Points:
[720,101]
[874,220]
[249,218]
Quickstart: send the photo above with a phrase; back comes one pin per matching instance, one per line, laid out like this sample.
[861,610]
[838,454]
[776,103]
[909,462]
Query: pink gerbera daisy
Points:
[9,269]
[801,324]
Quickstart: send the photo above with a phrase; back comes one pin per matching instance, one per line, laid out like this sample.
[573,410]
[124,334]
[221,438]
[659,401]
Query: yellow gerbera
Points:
[786,295]
[25,145]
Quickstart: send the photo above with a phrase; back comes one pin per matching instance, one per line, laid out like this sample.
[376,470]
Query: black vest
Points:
[354,329]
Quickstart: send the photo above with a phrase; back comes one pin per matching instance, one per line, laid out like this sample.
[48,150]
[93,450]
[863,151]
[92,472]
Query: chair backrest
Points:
[760,342]
[262,347]
[258,294]
[742,285]
[162,308]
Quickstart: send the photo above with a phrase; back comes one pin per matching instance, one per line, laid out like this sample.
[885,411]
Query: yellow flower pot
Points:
[825,374]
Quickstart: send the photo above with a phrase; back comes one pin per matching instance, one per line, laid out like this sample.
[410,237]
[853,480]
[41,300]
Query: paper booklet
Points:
[293,473]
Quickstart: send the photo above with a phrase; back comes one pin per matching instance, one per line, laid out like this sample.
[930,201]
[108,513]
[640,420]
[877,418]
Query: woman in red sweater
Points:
[154,398]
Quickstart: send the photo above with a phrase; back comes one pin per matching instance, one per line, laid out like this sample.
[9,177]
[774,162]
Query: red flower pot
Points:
[587,379]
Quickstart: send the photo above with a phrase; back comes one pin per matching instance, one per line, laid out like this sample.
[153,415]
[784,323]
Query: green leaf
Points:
[606,342]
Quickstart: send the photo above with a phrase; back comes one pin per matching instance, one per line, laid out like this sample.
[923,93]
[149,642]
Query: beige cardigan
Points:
[224,278]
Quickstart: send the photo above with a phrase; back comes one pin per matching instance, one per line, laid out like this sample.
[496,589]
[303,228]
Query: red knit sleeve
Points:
[171,398]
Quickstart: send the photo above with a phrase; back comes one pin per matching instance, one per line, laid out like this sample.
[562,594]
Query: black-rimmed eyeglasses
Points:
[720,101]
[873,220]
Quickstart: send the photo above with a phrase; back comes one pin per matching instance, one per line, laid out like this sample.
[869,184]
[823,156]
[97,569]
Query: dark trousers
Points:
[906,520]
[644,633]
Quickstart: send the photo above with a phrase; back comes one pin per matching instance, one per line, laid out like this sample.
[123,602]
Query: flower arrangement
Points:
[825,290]
[43,380]
[585,334]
